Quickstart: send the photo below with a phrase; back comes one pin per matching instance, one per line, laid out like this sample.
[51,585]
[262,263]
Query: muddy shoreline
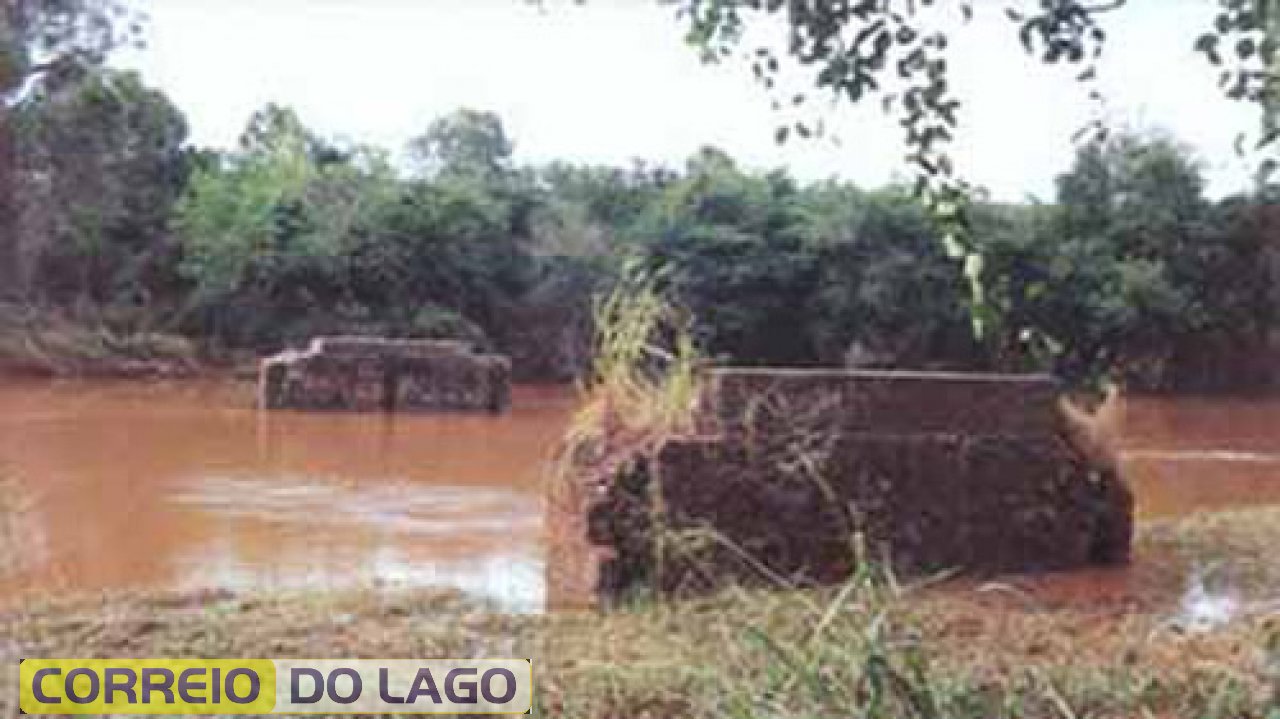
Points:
[989,631]
[98,354]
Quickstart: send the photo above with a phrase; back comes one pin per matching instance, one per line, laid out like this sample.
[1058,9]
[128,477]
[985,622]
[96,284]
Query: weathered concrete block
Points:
[777,489]
[450,381]
[731,511]
[371,374]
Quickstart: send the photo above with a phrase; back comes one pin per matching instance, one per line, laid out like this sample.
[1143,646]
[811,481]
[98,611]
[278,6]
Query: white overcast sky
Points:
[613,80]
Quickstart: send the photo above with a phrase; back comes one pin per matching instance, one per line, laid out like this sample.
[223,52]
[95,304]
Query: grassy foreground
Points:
[1110,644]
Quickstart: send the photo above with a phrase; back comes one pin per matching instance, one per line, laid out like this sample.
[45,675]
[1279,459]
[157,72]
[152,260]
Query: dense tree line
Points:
[291,234]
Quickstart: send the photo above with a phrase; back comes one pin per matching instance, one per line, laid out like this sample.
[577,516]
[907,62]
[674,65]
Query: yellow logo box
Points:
[275,686]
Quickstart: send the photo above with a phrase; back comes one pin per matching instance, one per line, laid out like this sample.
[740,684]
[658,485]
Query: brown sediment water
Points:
[186,486]
[1194,454]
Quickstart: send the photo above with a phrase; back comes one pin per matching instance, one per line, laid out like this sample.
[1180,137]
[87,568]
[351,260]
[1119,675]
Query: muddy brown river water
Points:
[186,486]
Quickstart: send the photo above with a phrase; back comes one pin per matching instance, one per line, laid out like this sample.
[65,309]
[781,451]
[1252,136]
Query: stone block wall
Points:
[765,401]
[931,471]
[372,374]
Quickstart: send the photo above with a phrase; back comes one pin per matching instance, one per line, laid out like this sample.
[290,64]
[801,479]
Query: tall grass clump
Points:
[642,384]
[641,388]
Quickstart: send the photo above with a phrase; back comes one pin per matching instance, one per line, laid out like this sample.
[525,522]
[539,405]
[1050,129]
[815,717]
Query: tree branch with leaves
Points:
[897,51]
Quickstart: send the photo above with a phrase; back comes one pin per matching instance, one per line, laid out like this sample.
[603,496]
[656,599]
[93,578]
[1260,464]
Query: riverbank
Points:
[35,343]
[1139,642]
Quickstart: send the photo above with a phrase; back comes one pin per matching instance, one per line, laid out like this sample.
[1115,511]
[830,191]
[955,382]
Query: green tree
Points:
[292,236]
[268,232]
[446,248]
[45,42]
[1134,271]
[584,233]
[467,143]
[104,160]
[897,50]
[886,295]
[735,249]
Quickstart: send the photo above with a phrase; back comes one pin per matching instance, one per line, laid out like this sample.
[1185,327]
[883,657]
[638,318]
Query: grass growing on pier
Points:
[641,389]
[643,378]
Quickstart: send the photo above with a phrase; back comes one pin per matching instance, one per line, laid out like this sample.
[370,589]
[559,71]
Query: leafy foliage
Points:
[1134,270]
[897,49]
[1131,270]
[45,44]
[60,37]
[466,144]
[108,157]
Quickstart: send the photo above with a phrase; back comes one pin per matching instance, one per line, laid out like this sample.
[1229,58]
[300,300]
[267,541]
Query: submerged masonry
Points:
[374,374]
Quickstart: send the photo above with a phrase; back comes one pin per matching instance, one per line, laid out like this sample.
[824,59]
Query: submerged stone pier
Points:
[374,374]
[792,475]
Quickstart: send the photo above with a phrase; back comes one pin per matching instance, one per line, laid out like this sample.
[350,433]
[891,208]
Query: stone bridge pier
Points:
[929,471]
[372,374]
